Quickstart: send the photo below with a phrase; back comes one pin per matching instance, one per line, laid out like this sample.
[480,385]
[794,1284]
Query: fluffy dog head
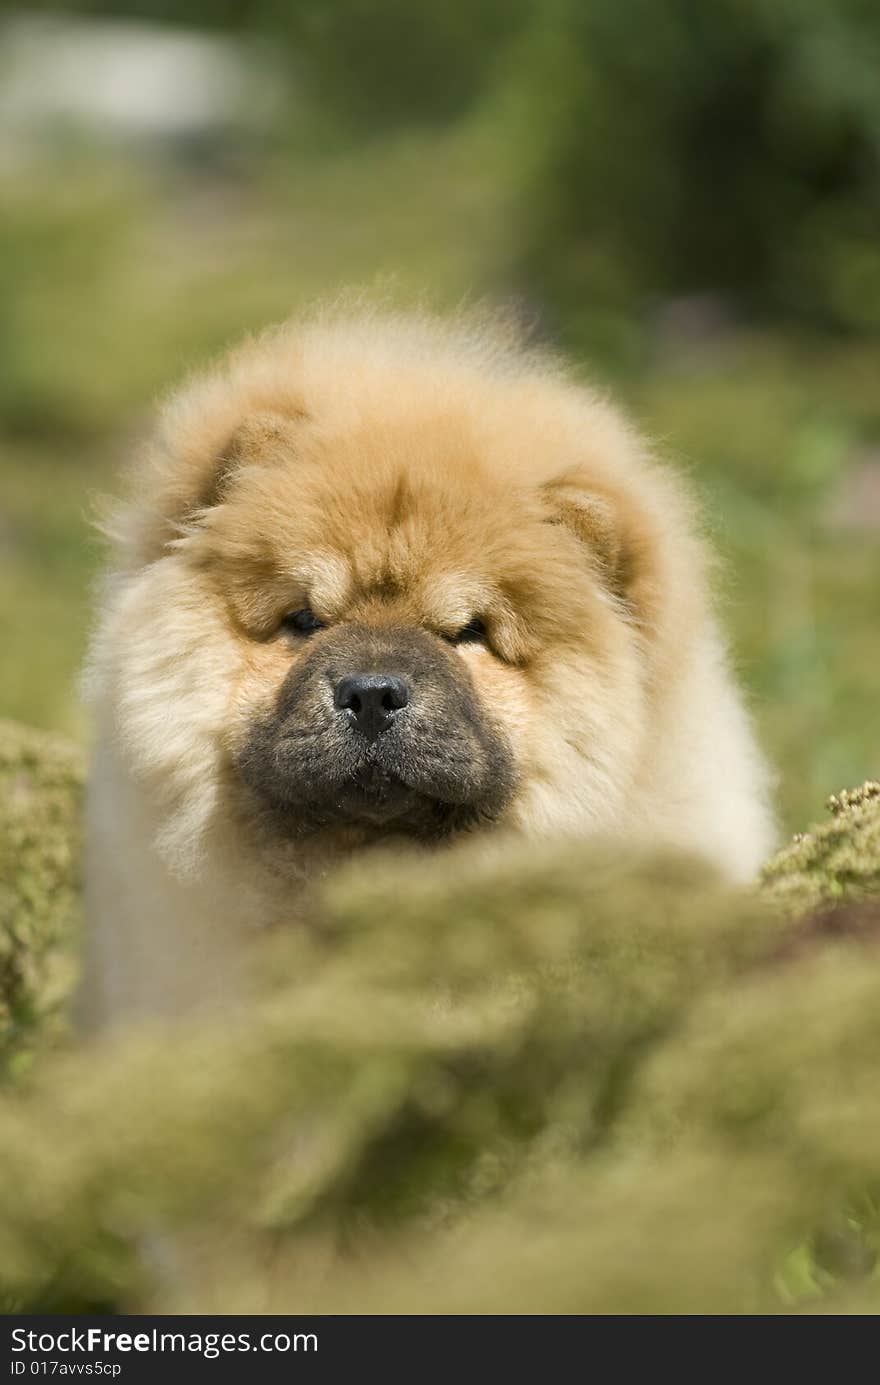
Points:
[383,578]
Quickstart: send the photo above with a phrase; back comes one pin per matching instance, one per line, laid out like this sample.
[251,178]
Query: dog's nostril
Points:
[371,700]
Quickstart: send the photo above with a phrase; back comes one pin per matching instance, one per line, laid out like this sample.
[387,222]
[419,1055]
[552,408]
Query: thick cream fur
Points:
[267,485]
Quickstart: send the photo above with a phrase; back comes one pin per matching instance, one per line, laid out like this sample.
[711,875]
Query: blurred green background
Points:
[685,196]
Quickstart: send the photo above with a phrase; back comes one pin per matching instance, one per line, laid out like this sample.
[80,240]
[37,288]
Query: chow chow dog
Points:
[381,580]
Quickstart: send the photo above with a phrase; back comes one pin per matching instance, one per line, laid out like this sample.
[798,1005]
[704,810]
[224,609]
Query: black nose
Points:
[371,700]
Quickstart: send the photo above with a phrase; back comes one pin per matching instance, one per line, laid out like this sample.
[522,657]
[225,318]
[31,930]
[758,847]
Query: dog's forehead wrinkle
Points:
[401,530]
[398,502]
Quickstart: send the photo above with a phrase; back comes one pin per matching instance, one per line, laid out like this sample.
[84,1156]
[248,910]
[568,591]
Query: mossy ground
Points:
[40,793]
[545,1083]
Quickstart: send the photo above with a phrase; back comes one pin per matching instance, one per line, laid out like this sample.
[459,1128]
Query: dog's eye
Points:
[472,633]
[303,622]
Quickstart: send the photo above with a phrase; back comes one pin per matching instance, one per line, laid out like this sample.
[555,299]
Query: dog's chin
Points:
[370,808]
[377,800]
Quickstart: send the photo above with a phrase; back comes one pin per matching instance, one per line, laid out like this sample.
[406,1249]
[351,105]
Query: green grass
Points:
[113,283]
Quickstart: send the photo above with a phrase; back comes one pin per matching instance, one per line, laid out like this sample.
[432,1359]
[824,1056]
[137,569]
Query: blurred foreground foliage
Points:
[544,1083]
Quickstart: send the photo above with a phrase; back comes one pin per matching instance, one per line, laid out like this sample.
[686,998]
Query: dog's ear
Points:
[262,438]
[595,521]
[592,519]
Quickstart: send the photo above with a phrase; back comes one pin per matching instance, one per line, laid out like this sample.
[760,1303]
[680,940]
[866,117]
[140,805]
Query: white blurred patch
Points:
[129,81]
